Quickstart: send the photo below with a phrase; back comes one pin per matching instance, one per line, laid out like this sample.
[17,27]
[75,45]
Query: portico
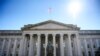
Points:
[37,44]
[50,39]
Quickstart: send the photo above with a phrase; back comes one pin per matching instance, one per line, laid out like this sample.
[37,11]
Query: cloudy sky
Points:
[16,13]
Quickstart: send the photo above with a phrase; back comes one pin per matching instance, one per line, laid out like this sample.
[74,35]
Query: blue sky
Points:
[14,14]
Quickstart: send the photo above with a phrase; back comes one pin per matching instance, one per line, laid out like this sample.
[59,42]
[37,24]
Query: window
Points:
[10,54]
[89,53]
[4,54]
[83,53]
[94,43]
[94,46]
[88,43]
[16,54]
[12,46]
[72,44]
[1,42]
[18,46]
[88,46]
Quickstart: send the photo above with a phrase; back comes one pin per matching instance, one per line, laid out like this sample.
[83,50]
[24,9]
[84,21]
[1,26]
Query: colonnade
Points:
[9,46]
[89,46]
[30,49]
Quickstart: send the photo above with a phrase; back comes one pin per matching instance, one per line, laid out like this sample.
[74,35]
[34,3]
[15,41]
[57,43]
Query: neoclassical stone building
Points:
[49,38]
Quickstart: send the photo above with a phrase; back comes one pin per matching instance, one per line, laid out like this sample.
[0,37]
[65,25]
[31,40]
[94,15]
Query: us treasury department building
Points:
[49,38]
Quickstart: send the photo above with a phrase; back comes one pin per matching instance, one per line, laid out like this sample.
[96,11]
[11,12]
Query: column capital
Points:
[61,34]
[76,34]
[69,34]
[38,34]
[53,35]
[46,34]
[31,35]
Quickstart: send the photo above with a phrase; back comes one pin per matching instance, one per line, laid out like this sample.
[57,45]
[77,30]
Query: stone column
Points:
[4,40]
[61,45]
[21,47]
[66,44]
[46,42]
[78,45]
[97,43]
[54,44]
[8,48]
[75,48]
[31,53]
[69,46]
[39,46]
[14,48]
[24,47]
[86,49]
[92,50]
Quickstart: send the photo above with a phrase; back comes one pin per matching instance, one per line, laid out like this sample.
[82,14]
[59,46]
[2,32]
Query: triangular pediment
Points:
[50,25]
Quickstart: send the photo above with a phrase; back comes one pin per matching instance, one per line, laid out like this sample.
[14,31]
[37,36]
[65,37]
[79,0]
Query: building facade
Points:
[49,38]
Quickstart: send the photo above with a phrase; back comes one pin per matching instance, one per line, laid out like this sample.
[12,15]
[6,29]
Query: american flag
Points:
[49,10]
